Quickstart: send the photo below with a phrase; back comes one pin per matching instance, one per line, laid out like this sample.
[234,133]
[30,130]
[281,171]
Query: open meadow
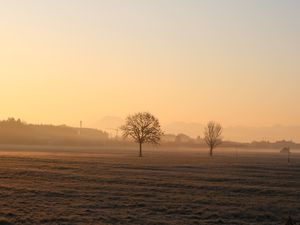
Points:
[97,186]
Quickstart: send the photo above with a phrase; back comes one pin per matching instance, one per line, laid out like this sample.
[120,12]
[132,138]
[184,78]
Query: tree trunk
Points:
[211,151]
[140,150]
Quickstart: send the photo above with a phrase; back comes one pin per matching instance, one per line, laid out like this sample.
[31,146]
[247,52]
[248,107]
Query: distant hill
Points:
[108,122]
[14,131]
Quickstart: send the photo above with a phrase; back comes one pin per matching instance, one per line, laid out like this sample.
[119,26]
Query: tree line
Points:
[15,131]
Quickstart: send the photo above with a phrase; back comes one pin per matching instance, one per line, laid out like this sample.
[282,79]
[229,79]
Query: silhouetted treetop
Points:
[143,128]
[212,135]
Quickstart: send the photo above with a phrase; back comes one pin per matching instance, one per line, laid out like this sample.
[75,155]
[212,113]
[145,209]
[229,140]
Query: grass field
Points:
[164,187]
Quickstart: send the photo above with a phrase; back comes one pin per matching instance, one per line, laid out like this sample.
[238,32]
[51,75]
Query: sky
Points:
[235,62]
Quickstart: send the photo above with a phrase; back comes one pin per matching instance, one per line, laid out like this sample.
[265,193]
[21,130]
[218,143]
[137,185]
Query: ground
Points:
[164,187]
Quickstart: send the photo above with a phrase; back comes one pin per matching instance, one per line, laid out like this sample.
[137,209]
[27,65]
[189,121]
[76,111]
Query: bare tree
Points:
[212,135]
[143,128]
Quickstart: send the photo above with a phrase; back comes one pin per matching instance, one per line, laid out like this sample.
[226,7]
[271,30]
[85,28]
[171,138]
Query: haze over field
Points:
[233,133]
[236,62]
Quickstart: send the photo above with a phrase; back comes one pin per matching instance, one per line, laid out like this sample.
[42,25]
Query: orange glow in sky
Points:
[235,62]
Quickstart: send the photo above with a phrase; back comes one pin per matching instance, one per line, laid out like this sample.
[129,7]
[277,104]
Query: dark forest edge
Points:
[16,132]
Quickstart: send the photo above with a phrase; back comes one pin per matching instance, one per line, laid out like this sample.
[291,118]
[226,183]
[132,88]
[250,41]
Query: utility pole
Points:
[80,127]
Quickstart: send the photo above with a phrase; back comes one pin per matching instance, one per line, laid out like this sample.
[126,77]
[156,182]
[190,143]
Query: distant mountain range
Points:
[233,133]
[109,122]
[240,133]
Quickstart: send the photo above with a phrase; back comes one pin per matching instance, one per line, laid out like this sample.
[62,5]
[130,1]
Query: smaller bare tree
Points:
[212,135]
[142,128]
